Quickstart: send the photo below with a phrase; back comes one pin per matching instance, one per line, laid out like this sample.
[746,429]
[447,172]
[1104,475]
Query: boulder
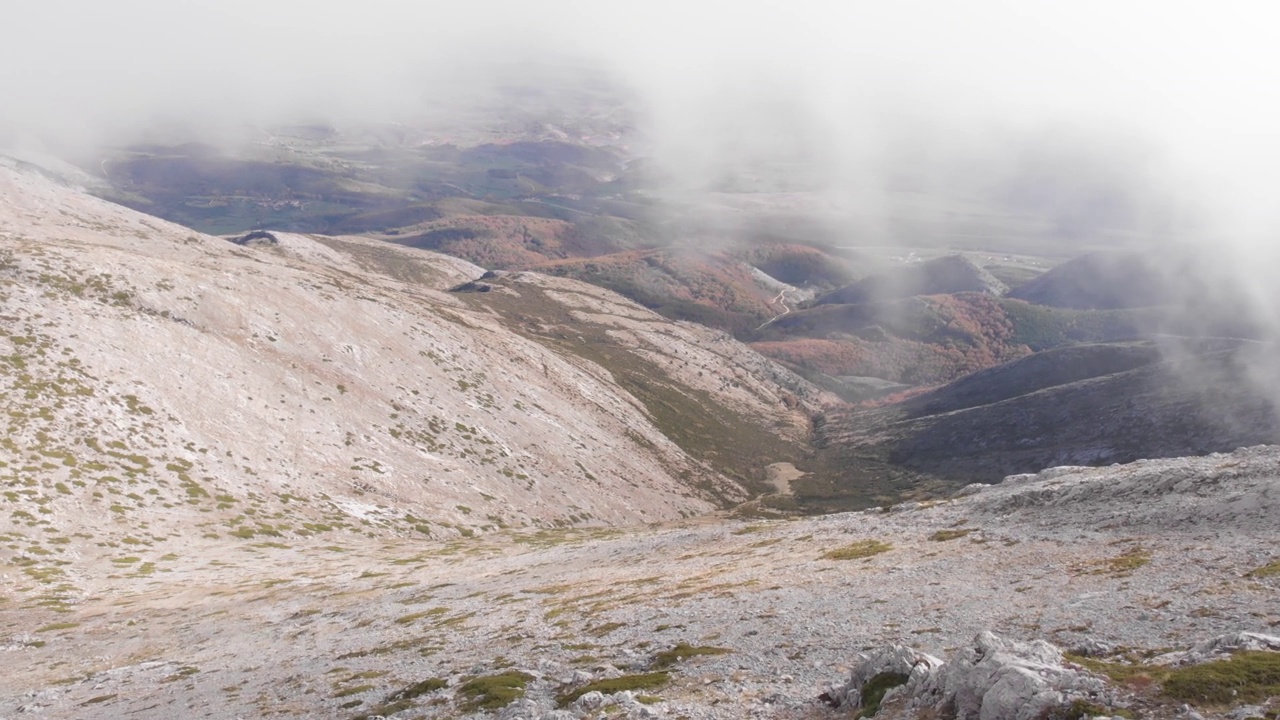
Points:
[991,679]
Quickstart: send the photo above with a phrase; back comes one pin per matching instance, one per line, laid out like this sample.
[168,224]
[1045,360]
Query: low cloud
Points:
[1138,122]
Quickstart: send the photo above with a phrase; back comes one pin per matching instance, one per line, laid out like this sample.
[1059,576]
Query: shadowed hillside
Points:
[948,274]
[1084,405]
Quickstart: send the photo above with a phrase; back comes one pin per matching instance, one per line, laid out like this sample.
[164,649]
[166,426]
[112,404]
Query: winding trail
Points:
[781,299]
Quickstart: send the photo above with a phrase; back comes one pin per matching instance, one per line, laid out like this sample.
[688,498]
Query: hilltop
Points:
[943,275]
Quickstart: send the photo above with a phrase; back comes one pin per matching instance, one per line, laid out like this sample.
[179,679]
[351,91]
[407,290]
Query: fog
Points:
[1112,121]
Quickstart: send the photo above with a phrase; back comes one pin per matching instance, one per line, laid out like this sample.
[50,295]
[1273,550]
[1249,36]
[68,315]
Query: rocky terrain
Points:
[699,619]
[150,368]
[307,476]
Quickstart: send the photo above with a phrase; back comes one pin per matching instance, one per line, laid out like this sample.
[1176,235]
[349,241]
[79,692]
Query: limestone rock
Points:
[1218,647]
[992,679]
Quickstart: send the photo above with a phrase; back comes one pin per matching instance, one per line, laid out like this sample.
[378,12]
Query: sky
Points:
[1175,101]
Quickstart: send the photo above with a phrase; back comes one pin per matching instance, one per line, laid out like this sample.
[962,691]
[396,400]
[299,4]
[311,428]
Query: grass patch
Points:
[429,685]
[353,691]
[494,691]
[406,619]
[681,651]
[945,535]
[1271,569]
[643,681]
[1124,673]
[58,626]
[605,629]
[1124,564]
[855,551]
[1245,677]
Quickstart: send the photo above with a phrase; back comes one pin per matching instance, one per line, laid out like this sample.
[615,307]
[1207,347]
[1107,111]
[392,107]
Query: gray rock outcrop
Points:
[1216,648]
[991,679]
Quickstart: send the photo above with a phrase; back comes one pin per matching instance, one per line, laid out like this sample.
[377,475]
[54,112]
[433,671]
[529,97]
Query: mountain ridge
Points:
[358,347]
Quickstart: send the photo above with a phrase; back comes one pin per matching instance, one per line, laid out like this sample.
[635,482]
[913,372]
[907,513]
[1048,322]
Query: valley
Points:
[485,463]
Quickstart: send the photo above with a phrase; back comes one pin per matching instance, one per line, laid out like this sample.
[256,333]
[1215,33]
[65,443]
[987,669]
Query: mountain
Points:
[1080,405]
[305,476]
[153,372]
[943,275]
[1100,281]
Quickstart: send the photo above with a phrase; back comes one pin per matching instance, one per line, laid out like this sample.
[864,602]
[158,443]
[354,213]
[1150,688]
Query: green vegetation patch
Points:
[857,550]
[945,535]
[429,685]
[1125,673]
[491,692]
[1245,677]
[605,629]
[875,688]
[1124,564]
[407,619]
[353,691]
[681,651]
[643,681]
[1271,569]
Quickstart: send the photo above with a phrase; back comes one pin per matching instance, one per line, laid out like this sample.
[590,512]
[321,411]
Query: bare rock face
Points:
[992,679]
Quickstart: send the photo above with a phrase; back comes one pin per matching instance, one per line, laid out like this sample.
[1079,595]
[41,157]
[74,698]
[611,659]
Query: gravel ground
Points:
[1153,555]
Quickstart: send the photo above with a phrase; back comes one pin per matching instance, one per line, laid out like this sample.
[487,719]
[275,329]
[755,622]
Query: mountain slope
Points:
[161,376]
[948,274]
[708,620]
[1089,405]
[1100,281]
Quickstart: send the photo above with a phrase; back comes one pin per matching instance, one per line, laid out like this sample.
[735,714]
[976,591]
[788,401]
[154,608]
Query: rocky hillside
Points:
[304,476]
[158,376]
[1148,576]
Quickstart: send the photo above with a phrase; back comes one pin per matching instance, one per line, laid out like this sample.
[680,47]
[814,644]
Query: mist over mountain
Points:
[692,360]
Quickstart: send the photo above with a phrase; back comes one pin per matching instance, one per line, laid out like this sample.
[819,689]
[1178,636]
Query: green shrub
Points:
[494,691]
[860,549]
[429,685]
[643,681]
[875,688]
[667,658]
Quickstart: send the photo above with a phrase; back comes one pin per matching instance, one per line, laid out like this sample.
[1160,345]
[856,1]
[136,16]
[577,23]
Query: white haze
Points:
[1154,120]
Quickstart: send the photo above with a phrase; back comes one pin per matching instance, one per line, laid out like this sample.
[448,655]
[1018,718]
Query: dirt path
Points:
[781,299]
